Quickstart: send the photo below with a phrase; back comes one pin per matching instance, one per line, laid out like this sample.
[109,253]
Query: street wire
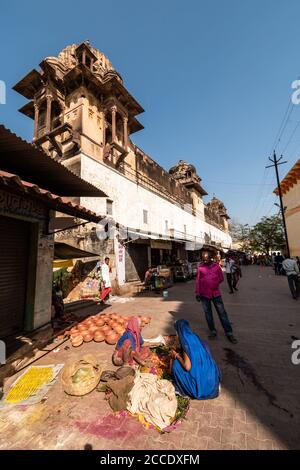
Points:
[260,197]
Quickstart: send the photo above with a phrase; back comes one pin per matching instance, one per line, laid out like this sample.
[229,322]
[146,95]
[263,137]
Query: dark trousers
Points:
[294,285]
[219,306]
[231,281]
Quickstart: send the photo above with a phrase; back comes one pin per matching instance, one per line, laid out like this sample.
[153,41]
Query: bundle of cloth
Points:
[153,398]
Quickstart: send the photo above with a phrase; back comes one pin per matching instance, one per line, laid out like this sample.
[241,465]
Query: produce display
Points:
[103,327]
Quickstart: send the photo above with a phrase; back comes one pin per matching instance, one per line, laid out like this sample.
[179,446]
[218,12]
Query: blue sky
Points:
[214,78]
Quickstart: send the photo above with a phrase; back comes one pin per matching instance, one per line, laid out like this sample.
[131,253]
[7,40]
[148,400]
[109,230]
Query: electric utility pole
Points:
[276,163]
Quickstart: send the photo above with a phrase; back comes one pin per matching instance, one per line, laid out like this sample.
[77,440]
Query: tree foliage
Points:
[240,235]
[266,236]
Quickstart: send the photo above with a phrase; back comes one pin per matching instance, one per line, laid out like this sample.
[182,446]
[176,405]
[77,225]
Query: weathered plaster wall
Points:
[130,199]
[292,201]
[43,287]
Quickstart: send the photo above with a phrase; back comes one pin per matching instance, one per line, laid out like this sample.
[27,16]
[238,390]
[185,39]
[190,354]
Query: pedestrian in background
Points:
[209,278]
[230,270]
[278,262]
[291,268]
[106,282]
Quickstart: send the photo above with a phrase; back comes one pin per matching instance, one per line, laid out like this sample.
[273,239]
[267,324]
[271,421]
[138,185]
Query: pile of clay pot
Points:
[102,327]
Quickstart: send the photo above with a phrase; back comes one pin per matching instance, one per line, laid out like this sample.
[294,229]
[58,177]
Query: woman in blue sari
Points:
[195,372]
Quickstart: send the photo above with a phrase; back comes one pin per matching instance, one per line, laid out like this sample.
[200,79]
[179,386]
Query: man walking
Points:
[209,277]
[291,268]
[231,269]
[106,289]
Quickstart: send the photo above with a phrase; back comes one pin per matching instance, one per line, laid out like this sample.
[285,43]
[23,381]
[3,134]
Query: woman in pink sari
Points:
[130,346]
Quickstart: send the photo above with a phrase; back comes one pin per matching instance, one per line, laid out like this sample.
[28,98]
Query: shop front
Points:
[27,252]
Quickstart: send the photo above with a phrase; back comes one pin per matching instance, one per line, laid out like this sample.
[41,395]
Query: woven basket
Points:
[85,386]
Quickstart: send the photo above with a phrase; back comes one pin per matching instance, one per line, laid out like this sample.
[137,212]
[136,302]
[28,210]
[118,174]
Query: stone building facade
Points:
[85,118]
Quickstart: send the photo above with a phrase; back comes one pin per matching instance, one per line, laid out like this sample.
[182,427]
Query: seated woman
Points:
[195,372]
[130,346]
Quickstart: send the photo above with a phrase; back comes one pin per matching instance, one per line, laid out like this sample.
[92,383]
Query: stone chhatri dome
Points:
[182,169]
[186,174]
[67,59]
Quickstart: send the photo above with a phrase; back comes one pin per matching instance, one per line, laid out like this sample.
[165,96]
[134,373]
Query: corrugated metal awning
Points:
[65,251]
[32,164]
[13,183]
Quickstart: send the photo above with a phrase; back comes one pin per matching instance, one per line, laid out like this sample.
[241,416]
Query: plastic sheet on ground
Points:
[121,300]
[32,385]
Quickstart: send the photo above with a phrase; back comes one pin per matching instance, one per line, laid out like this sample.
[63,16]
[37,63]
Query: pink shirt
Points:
[209,277]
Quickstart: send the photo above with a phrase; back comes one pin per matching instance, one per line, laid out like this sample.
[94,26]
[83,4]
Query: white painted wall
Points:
[130,199]
[292,201]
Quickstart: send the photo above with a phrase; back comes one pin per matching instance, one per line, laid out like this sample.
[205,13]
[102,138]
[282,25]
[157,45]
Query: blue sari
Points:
[202,380]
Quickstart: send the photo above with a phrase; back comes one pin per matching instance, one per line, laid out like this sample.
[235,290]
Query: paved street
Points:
[259,403]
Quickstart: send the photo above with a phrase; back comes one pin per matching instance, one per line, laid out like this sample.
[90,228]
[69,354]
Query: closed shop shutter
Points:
[14,249]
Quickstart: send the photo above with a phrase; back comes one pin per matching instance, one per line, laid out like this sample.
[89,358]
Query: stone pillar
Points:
[113,123]
[125,132]
[83,57]
[103,127]
[36,121]
[48,113]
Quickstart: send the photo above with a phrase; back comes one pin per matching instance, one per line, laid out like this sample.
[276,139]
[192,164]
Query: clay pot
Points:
[119,329]
[93,328]
[112,338]
[99,336]
[77,341]
[106,329]
[83,331]
[87,337]
[99,322]
[74,330]
[76,333]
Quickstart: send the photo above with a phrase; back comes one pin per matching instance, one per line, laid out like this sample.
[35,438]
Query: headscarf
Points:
[202,380]
[134,327]
[133,333]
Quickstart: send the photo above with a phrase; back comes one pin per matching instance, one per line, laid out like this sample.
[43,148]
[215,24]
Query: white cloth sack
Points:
[153,398]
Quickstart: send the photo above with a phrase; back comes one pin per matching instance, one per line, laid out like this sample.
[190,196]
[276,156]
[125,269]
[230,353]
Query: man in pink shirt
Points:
[209,278]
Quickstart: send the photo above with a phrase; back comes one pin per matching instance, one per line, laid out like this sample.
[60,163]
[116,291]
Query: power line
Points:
[234,183]
[291,137]
[275,163]
[283,125]
[259,197]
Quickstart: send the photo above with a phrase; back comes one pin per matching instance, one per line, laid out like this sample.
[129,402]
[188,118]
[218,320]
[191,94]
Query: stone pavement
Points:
[259,404]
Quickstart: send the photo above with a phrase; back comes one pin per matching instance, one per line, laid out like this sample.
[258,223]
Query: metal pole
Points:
[276,162]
